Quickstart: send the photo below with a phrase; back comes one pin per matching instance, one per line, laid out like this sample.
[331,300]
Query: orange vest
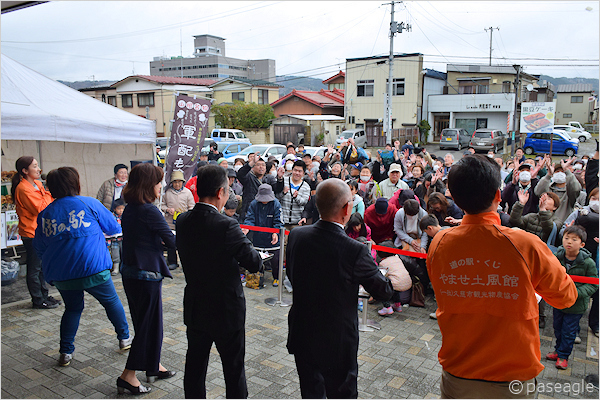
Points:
[485,277]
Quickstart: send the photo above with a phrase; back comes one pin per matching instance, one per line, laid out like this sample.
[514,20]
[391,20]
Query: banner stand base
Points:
[272,301]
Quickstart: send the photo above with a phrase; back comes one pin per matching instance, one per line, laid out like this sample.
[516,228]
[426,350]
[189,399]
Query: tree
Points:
[424,128]
[240,115]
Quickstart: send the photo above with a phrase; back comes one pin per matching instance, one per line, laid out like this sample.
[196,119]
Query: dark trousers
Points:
[566,327]
[171,256]
[145,306]
[273,263]
[317,382]
[593,317]
[399,297]
[35,277]
[231,348]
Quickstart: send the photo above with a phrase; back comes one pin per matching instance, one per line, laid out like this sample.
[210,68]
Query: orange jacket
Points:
[484,276]
[29,202]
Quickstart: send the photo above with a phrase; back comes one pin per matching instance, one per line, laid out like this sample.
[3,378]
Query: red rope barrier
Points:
[580,279]
[398,251]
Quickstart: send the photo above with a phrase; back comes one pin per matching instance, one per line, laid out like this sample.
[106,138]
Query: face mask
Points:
[274,173]
[315,164]
[289,166]
[236,168]
[490,155]
[436,167]
[121,182]
[365,178]
[577,167]
[559,177]
[594,205]
[525,176]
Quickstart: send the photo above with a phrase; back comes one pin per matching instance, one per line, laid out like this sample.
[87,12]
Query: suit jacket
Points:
[144,231]
[325,267]
[210,247]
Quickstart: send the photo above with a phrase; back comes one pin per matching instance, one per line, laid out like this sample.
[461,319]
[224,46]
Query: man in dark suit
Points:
[210,247]
[325,267]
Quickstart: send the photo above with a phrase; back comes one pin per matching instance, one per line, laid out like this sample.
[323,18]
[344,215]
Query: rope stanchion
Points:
[365,324]
[272,301]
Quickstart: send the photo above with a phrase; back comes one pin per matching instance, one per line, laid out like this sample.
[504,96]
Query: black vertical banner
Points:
[187,135]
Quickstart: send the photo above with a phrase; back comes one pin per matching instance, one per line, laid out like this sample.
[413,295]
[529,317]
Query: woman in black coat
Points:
[144,267]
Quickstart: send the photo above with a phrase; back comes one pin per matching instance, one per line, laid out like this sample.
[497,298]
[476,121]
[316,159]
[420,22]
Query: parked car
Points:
[228,134]
[265,150]
[454,138]
[574,133]
[539,142]
[313,151]
[359,136]
[229,149]
[161,145]
[487,139]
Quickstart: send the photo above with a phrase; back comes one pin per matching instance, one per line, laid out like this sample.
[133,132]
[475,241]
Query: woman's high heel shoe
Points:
[152,376]
[136,390]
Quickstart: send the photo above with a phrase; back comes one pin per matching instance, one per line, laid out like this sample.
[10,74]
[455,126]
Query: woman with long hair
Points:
[442,207]
[30,198]
[70,241]
[356,228]
[143,269]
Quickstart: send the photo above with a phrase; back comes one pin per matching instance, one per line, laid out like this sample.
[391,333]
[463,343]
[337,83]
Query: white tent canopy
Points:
[38,108]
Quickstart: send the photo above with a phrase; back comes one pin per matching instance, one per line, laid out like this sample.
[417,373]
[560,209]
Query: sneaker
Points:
[552,356]
[433,315]
[114,272]
[173,266]
[577,340]
[397,307]
[562,363]
[45,305]
[243,278]
[65,359]
[385,311]
[125,344]
[275,282]
[360,306]
[52,300]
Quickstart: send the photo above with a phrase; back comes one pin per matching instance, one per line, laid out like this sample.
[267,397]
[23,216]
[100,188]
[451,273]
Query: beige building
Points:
[152,97]
[229,90]
[572,103]
[366,88]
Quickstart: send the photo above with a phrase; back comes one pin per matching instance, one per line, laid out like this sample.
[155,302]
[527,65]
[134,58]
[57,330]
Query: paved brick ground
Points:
[399,361]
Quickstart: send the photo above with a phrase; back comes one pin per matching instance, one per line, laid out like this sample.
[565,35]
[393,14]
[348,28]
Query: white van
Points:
[228,134]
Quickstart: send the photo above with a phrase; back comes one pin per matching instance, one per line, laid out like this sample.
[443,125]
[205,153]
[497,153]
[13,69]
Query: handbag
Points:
[417,296]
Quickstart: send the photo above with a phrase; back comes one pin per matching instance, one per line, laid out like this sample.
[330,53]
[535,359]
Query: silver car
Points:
[487,139]
[454,138]
[359,136]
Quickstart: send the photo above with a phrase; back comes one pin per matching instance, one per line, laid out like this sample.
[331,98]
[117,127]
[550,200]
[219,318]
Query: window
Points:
[506,87]
[103,98]
[127,100]
[567,115]
[482,89]
[112,100]
[465,89]
[365,88]
[576,99]
[397,86]
[238,96]
[263,96]
[145,99]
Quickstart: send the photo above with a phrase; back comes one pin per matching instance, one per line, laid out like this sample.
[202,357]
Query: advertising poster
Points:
[3,230]
[187,135]
[537,117]
[12,229]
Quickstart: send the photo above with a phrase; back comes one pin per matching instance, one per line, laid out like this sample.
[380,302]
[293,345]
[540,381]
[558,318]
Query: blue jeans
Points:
[566,327]
[106,294]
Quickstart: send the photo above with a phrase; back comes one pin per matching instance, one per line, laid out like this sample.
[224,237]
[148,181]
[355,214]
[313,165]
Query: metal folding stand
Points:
[365,324]
[283,302]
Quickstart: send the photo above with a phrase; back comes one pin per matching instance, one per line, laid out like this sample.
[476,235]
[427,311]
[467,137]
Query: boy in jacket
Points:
[578,262]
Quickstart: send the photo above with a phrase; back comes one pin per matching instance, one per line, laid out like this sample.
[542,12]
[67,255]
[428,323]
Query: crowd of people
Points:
[402,198]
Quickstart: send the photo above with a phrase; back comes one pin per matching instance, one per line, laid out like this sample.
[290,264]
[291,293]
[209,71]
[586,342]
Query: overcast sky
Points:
[81,40]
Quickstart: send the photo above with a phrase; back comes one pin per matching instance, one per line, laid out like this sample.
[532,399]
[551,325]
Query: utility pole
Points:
[394,27]
[517,79]
[181,52]
[491,31]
